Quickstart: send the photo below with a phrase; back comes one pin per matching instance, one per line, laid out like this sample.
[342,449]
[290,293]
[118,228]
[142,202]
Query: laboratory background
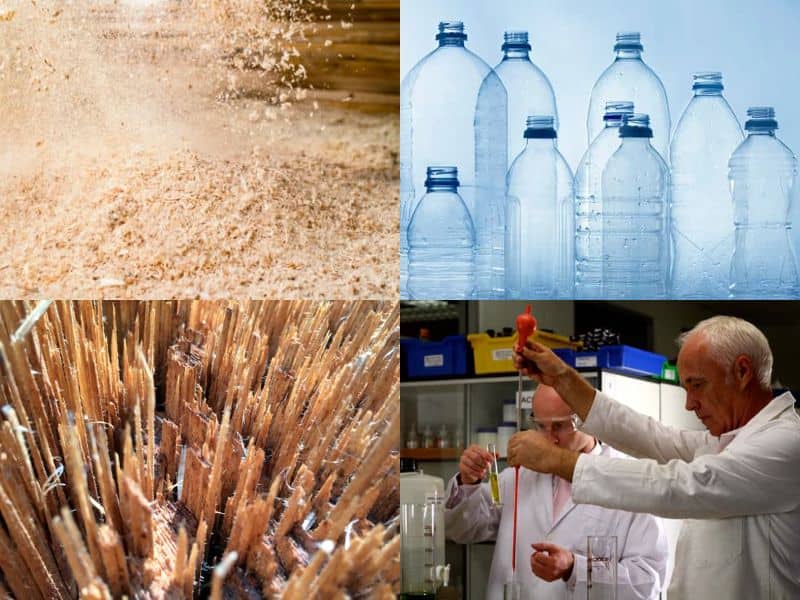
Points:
[754,45]
[458,387]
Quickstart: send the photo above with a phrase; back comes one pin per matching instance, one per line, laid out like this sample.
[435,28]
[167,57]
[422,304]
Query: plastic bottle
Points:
[629,78]
[453,110]
[589,202]
[441,241]
[528,88]
[635,186]
[539,217]
[702,212]
[762,176]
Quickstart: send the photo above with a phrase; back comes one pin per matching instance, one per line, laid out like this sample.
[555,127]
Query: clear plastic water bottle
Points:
[528,88]
[702,212]
[539,217]
[589,202]
[441,241]
[762,175]
[453,110]
[635,187]
[629,78]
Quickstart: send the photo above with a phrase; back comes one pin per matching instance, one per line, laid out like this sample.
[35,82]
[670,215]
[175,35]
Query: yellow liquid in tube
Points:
[495,486]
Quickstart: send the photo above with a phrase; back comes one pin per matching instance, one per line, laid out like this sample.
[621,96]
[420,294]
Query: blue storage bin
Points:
[565,354]
[627,358]
[433,359]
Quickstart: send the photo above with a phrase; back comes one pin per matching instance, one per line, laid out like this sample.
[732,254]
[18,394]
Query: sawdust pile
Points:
[147,162]
[195,449]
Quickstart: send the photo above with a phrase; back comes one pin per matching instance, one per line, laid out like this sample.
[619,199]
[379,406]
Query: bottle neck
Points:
[451,41]
[707,92]
[759,131]
[442,187]
[629,54]
[516,53]
[540,143]
[612,123]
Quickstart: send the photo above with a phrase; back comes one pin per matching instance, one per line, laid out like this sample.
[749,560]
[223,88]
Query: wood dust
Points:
[135,172]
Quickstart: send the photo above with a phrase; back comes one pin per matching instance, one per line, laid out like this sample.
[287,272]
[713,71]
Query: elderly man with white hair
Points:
[737,484]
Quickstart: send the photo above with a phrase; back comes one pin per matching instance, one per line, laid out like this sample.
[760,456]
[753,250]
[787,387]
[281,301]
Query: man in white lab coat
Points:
[551,529]
[737,484]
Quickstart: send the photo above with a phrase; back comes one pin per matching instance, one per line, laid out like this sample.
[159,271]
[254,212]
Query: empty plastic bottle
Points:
[539,217]
[702,212]
[762,174]
[635,187]
[629,78]
[589,202]
[528,88]
[441,241]
[453,110]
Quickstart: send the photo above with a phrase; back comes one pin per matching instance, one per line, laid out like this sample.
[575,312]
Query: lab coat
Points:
[739,494]
[470,516]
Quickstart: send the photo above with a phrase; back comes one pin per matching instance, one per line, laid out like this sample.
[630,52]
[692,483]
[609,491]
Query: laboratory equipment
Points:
[443,438]
[412,439]
[422,534]
[706,136]
[589,201]
[526,326]
[513,590]
[494,475]
[601,567]
[635,186]
[427,437]
[629,78]
[453,110]
[441,241]
[539,217]
[528,88]
[762,174]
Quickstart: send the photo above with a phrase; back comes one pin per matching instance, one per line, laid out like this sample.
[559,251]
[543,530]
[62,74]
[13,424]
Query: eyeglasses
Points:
[555,426]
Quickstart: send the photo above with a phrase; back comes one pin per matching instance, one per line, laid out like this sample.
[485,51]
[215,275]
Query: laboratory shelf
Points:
[431,453]
[459,381]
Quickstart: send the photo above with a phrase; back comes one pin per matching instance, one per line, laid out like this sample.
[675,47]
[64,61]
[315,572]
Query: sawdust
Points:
[140,165]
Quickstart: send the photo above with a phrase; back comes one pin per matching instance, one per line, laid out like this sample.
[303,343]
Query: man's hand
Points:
[540,363]
[473,464]
[551,562]
[532,450]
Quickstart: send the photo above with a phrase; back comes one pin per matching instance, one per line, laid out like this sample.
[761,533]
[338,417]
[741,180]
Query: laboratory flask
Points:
[601,567]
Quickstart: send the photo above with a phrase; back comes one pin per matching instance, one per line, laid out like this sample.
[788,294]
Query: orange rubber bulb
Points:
[526,325]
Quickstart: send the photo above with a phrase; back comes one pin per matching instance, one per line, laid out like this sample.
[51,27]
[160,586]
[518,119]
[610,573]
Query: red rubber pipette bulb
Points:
[526,325]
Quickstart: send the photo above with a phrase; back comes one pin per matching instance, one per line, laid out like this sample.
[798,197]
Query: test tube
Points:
[494,479]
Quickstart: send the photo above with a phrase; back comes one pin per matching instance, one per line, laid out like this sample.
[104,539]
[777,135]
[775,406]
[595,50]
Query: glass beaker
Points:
[601,567]
[494,475]
[421,547]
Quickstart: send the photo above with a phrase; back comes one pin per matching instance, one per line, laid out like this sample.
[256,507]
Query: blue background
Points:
[756,45]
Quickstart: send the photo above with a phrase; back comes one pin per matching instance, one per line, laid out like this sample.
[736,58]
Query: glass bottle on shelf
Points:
[412,440]
[443,438]
[427,437]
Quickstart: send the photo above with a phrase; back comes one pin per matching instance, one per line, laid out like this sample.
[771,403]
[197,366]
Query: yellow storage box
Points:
[493,354]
